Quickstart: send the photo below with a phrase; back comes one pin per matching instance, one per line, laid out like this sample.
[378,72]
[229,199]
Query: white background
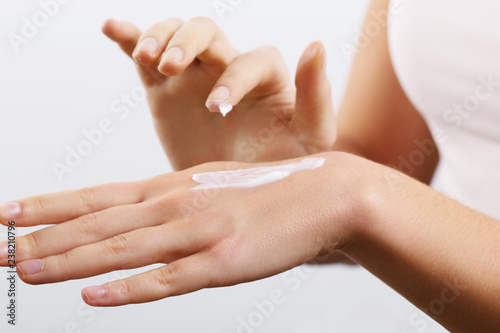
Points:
[64,81]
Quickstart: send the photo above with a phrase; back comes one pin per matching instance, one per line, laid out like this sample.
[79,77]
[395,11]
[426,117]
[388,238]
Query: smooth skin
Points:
[187,67]
[426,246]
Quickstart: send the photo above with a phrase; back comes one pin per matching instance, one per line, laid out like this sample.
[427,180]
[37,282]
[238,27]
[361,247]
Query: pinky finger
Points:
[179,277]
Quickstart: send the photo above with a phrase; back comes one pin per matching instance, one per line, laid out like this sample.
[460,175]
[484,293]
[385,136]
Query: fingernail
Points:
[148,45]
[175,54]
[4,248]
[10,210]
[30,267]
[220,94]
[93,293]
[217,101]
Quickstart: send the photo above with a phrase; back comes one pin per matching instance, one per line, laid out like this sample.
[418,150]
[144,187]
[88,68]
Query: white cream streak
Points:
[253,177]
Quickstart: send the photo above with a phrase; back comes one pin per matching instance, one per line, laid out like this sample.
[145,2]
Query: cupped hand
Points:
[189,67]
[206,238]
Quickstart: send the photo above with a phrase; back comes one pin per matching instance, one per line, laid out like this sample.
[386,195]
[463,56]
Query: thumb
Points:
[314,117]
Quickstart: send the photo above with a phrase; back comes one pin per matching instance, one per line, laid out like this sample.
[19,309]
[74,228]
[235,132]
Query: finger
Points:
[200,38]
[88,229]
[134,249]
[314,108]
[261,71]
[67,205]
[124,33]
[154,40]
[179,277]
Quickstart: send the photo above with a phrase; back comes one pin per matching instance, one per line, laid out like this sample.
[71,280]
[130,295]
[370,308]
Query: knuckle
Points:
[171,24]
[178,204]
[27,246]
[157,208]
[165,276]
[203,20]
[269,50]
[223,251]
[116,245]
[86,225]
[61,262]
[86,198]
[228,243]
[123,289]
[167,26]
[156,184]
[34,205]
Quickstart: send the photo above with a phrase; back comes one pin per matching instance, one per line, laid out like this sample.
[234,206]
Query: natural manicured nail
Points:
[218,100]
[4,250]
[30,267]
[94,293]
[174,54]
[220,94]
[148,45]
[10,210]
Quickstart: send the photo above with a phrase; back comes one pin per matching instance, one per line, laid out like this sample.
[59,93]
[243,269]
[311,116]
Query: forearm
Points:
[376,120]
[439,254]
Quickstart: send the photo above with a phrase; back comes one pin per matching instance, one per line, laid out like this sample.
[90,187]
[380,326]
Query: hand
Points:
[207,238]
[186,66]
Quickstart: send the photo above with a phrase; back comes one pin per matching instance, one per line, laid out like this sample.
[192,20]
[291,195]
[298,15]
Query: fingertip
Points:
[146,51]
[171,69]
[312,67]
[219,107]
[9,211]
[121,32]
[28,270]
[314,55]
[94,295]
[219,100]
[172,61]
[109,26]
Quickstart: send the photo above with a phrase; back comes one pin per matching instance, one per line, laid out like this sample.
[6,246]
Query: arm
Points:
[371,213]
[376,120]
[439,254]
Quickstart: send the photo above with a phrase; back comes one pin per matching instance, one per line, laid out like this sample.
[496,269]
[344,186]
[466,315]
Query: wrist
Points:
[352,186]
[378,199]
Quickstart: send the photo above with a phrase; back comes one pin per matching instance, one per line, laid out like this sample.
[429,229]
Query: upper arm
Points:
[376,117]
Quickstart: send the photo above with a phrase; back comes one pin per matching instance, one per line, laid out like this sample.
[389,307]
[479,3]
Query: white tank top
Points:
[446,54]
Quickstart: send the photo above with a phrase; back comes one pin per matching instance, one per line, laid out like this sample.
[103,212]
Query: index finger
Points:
[62,206]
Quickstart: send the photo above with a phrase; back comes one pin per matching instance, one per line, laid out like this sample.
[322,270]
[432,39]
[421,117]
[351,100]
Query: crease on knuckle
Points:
[165,277]
[116,245]
[123,288]
[86,199]
[35,205]
[28,247]
[86,225]
[61,264]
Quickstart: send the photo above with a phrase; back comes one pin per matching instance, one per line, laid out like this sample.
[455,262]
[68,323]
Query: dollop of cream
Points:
[252,177]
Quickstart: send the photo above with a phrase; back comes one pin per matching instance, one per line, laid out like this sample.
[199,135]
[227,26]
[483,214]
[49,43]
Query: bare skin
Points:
[426,246]
[178,95]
